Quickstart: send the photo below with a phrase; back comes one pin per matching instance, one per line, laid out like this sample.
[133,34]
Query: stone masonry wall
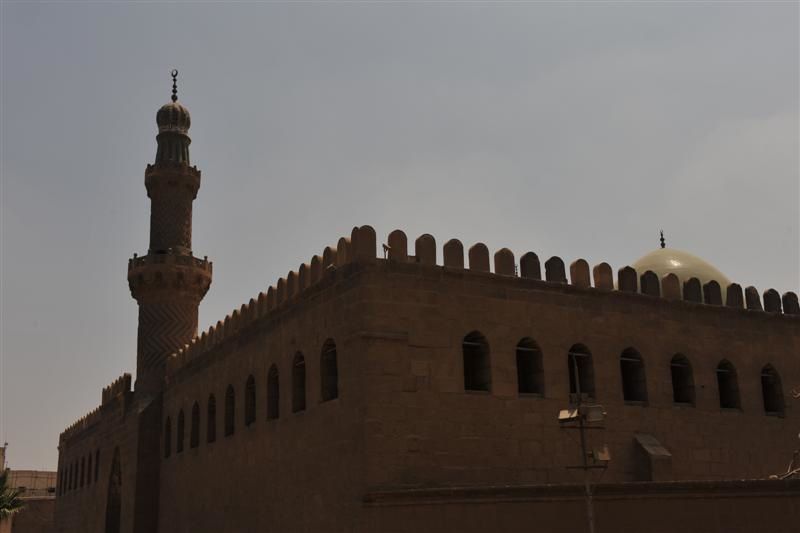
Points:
[424,429]
[300,472]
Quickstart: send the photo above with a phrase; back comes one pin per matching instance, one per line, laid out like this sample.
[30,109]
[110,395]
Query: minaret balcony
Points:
[169,275]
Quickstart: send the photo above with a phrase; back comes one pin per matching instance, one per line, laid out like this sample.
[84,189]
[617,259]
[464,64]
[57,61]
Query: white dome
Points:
[683,264]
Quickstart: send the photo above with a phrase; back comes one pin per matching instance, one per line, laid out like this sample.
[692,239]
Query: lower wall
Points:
[688,507]
[35,517]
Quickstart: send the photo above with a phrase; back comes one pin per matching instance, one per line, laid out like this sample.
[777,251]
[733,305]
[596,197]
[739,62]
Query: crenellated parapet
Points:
[82,424]
[117,390]
[361,245]
[119,387]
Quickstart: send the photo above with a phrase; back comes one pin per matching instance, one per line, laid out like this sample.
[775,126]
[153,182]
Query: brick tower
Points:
[169,282]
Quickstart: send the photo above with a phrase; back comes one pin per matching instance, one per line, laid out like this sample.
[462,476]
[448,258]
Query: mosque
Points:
[426,389]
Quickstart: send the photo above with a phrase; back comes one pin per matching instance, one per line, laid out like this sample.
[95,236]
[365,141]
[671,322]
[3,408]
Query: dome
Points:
[173,117]
[683,264]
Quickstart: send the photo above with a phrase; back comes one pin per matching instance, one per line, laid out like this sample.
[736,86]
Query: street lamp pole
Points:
[584,452]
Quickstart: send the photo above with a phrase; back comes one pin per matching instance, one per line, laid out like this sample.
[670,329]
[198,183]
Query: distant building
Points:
[38,491]
[420,392]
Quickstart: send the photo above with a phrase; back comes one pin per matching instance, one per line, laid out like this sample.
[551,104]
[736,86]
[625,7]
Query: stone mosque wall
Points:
[405,416]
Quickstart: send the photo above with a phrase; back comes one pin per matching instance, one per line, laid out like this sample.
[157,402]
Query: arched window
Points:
[250,401]
[211,415]
[329,373]
[273,393]
[530,374]
[194,436]
[298,383]
[89,469]
[728,384]
[96,465]
[682,380]
[230,411]
[772,391]
[581,372]
[634,382]
[181,423]
[83,470]
[477,367]
[167,437]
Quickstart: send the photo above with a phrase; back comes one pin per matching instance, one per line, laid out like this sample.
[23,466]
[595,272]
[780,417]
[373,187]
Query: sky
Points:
[569,129]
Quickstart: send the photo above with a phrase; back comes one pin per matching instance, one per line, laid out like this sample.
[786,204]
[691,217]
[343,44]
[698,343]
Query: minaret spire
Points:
[174,85]
[169,282]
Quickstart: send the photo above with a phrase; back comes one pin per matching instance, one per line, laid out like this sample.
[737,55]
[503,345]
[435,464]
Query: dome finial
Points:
[174,85]
[663,242]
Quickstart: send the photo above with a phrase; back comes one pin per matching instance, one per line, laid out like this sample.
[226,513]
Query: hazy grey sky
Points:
[575,130]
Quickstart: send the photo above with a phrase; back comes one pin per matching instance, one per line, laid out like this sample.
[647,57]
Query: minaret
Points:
[169,282]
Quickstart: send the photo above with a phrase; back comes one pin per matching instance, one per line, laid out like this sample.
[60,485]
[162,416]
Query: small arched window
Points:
[181,424]
[194,436]
[89,469]
[634,382]
[772,391]
[530,373]
[477,365]
[728,385]
[211,428]
[273,393]
[167,437]
[83,469]
[329,372]
[96,465]
[581,372]
[230,411]
[298,383]
[250,401]
[682,380]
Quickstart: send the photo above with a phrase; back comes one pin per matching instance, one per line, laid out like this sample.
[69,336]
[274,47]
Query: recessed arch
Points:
[772,391]
[298,383]
[230,411]
[581,372]
[634,380]
[273,393]
[194,435]
[211,416]
[180,431]
[728,386]
[114,497]
[329,371]
[250,400]
[682,380]
[530,371]
[477,362]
